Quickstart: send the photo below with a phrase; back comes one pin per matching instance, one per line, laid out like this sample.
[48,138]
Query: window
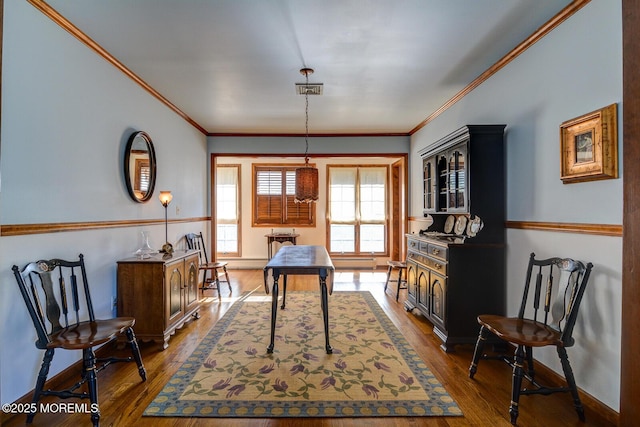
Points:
[274,191]
[357,211]
[227,209]
[143,176]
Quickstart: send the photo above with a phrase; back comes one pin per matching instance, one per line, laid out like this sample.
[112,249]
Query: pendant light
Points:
[306,176]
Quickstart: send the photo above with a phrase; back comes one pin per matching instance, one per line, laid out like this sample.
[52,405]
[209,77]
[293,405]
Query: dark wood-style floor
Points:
[484,400]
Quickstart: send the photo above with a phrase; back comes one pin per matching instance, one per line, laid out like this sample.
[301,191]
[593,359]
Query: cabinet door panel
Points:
[412,276]
[191,288]
[437,306]
[174,282]
[423,288]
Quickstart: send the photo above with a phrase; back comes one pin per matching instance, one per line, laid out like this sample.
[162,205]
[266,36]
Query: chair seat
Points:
[212,265]
[89,334]
[521,331]
[397,264]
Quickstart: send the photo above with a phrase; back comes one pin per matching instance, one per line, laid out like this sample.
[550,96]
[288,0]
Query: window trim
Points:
[358,221]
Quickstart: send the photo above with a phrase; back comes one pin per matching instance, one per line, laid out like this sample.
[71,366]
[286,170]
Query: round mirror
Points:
[140,167]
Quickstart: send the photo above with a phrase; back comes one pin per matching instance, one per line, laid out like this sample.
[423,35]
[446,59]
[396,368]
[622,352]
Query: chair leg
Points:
[388,277]
[571,381]
[89,362]
[42,378]
[399,284]
[530,368]
[477,353]
[217,282]
[135,350]
[226,274]
[204,281]
[516,386]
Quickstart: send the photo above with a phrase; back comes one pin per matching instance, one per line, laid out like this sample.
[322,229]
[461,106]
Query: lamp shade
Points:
[165,198]
[306,184]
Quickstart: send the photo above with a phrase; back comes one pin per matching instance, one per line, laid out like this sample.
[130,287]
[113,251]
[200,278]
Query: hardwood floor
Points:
[484,400]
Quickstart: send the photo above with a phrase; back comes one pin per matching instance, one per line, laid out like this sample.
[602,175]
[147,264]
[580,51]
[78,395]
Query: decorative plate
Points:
[474,226]
[461,224]
[448,224]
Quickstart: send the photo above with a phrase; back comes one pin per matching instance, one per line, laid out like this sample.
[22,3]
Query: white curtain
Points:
[227,193]
[342,194]
[372,193]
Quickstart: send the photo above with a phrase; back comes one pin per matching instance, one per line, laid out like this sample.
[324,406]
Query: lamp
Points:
[165,198]
[307,176]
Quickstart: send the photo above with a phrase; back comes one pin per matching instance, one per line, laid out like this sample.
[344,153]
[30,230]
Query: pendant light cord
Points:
[306,119]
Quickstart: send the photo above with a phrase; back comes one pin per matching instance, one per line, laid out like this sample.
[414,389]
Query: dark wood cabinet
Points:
[162,294]
[456,267]
[453,291]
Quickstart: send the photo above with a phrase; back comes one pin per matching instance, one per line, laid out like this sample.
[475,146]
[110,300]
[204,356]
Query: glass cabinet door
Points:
[429,184]
[456,176]
[444,181]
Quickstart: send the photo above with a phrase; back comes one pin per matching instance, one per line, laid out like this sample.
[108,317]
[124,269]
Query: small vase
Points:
[145,250]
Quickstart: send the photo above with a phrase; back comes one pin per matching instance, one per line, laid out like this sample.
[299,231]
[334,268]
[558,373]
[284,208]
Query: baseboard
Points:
[338,263]
[552,378]
[244,263]
[354,263]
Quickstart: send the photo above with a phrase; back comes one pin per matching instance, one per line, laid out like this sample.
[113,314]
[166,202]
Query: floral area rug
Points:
[373,370]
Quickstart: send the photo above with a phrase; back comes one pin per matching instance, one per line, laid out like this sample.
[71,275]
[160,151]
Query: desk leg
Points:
[284,291]
[274,310]
[324,301]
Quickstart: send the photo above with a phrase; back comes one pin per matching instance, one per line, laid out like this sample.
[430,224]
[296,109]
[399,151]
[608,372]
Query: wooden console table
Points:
[301,259]
[280,238]
[161,293]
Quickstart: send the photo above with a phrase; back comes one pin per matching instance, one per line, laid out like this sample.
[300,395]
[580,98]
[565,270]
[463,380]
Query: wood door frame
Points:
[630,335]
[399,209]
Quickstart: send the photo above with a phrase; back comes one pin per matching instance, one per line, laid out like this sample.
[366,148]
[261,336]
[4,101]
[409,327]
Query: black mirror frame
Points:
[152,166]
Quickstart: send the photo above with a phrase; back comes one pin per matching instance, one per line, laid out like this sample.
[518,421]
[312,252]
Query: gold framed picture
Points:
[589,146]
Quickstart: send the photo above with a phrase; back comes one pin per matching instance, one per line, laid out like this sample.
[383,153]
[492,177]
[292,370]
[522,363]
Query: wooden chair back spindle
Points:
[211,278]
[558,289]
[55,283]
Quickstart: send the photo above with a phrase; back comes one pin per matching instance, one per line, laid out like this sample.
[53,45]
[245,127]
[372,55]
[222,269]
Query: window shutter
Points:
[274,198]
[298,213]
[268,210]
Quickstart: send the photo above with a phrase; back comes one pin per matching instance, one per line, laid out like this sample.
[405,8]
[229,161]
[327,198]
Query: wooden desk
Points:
[301,259]
[280,238]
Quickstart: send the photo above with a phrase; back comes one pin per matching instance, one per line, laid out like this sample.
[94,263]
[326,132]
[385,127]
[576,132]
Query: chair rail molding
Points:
[57,227]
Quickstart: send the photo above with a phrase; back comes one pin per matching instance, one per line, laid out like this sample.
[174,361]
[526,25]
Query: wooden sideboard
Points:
[162,294]
[451,283]
[456,267]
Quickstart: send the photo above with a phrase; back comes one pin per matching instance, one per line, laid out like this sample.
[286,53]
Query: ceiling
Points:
[231,65]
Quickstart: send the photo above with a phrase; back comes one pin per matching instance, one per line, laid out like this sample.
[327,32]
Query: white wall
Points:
[66,117]
[575,69]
